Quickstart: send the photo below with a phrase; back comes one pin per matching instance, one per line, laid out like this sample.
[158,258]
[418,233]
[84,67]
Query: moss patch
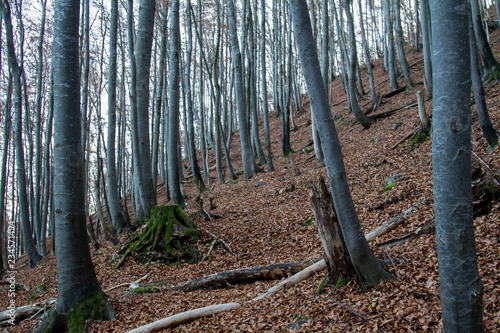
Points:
[168,237]
[95,307]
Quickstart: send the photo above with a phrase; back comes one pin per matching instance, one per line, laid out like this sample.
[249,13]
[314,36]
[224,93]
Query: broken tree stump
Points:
[336,255]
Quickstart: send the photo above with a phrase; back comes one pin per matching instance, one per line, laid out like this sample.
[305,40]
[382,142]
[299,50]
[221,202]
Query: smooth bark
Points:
[368,267]
[461,298]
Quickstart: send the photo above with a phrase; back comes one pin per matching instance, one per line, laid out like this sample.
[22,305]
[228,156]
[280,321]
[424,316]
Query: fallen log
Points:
[394,92]
[13,316]
[243,275]
[390,112]
[392,223]
[293,280]
[185,316]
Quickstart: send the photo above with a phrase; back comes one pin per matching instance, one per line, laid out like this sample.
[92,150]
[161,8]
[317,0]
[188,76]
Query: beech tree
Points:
[369,268]
[33,255]
[79,293]
[460,284]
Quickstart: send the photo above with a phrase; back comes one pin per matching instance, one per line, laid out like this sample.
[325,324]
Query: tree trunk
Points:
[461,298]
[265,106]
[246,146]
[400,45]
[74,265]
[336,255]
[368,267]
[33,256]
[491,66]
[142,51]
[173,103]
[426,43]
[116,214]
[489,131]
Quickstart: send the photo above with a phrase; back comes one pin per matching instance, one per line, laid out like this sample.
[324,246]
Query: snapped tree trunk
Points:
[461,298]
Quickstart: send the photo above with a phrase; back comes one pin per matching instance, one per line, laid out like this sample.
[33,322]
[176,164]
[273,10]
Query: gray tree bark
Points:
[117,218]
[399,43]
[173,106]
[246,146]
[491,65]
[461,298]
[143,46]
[489,131]
[368,267]
[426,43]
[77,281]
[29,244]
[265,104]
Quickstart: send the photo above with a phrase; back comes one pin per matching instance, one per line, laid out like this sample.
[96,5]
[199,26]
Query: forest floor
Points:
[264,222]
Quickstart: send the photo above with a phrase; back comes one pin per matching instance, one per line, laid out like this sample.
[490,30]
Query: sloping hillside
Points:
[263,222]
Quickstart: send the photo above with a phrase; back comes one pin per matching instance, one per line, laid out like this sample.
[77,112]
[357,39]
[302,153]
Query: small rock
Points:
[297,324]
[261,184]
[397,125]
[114,258]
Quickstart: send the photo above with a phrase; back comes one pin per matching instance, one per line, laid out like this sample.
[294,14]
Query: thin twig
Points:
[392,262]
[220,240]
[341,305]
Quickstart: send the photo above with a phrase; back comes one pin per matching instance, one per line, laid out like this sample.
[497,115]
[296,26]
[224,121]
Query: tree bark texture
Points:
[461,286]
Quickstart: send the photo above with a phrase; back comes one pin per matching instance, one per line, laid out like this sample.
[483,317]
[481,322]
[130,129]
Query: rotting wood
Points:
[293,280]
[126,284]
[243,275]
[185,316]
[294,166]
[335,250]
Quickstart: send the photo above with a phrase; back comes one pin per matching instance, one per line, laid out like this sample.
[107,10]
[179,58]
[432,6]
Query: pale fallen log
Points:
[9,316]
[185,316]
[392,223]
[293,280]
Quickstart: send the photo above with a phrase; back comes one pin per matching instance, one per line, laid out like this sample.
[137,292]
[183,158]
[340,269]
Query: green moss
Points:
[417,139]
[321,285]
[96,307]
[342,281]
[388,187]
[308,222]
[145,290]
[41,288]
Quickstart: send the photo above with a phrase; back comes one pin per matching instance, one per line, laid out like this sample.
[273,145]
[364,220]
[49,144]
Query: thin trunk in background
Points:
[173,103]
[265,104]
[33,256]
[116,215]
[400,43]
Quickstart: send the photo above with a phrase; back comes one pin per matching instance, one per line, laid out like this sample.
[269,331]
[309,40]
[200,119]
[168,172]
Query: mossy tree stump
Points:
[168,237]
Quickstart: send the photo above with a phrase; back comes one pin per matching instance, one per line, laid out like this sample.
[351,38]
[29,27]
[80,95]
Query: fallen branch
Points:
[185,316]
[126,284]
[220,240]
[392,223]
[293,280]
[242,275]
[13,316]
[394,92]
[406,137]
[427,228]
[390,112]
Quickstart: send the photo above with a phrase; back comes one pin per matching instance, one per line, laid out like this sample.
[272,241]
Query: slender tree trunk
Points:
[38,138]
[492,68]
[489,131]
[368,59]
[265,106]
[116,214]
[400,45]
[390,44]
[246,146]
[368,267]
[358,113]
[426,43]
[461,298]
[173,103]
[142,52]
[33,256]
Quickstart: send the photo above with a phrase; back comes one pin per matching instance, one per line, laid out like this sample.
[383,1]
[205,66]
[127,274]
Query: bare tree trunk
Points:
[460,283]
[33,256]
[368,267]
